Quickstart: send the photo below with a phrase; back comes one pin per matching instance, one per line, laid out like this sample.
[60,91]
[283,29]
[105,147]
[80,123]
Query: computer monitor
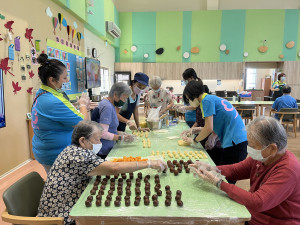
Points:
[92,71]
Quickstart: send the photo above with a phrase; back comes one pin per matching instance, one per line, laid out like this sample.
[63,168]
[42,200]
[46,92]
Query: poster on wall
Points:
[2,110]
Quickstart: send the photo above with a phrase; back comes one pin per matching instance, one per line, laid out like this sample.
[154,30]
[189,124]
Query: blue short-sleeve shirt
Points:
[285,101]
[53,119]
[228,124]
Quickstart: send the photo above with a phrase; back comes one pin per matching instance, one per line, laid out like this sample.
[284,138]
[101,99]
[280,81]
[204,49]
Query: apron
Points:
[127,114]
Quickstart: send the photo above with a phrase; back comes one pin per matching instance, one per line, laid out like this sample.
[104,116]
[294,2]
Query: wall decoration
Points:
[2,109]
[2,17]
[1,38]
[54,23]
[222,47]
[29,90]
[125,51]
[31,74]
[16,87]
[227,51]
[75,25]
[69,28]
[28,35]
[48,12]
[17,43]
[33,56]
[298,54]
[64,22]
[290,44]
[186,55]
[195,50]
[8,25]
[178,47]
[73,34]
[37,45]
[146,55]
[79,36]
[159,51]
[11,52]
[281,56]
[133,48]
[263,48]
[245,54]
[4,66]
[60,19]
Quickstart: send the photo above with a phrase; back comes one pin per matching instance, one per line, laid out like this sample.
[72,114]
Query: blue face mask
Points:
[283,78]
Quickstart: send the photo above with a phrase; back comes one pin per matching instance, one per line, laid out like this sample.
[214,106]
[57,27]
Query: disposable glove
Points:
[158,165]
[208,176]
[131,125]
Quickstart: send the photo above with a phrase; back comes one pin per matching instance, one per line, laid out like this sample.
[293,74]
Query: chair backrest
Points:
[247,113]
[23,197]
[220,93]
[288,117]
[231,93]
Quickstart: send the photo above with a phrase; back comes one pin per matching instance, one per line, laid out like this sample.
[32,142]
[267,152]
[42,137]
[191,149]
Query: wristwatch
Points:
[195,139]
[120,138]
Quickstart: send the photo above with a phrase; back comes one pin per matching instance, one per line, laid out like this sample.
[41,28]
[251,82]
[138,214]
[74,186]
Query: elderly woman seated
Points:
[159,97]
[274,173]
[73,168]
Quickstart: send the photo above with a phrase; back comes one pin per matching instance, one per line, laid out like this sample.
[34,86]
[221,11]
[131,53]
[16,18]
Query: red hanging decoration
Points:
[29,90]
[28,35]
[31,74]
[16,87]
[4,66]
[8,25]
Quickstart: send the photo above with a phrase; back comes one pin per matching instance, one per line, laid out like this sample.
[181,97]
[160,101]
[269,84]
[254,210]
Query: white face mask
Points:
[283,78]
[96,147]
[195,103]
[256,154]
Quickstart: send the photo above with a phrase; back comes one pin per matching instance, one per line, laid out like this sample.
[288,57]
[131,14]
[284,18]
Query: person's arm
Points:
[170,105]
[195,125]
[274,87]
[207,129]
[107,135]
[136,116]
[276,189]
[120,118]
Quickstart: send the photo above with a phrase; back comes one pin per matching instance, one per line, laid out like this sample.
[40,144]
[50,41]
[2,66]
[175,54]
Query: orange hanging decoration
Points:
[195,50]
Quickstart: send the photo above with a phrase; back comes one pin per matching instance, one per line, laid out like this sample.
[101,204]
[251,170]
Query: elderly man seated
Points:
[274,173]
[285,101]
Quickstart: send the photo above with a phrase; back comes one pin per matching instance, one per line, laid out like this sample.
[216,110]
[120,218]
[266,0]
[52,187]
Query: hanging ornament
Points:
[178,47]
[245,54]
[60,19]
[146,55]
[125,51]
[290,44]
[186,55]
[73,34]
[78,37]
[263,48]
[227,52]
[8,26]
[54,23]
[64,22]
[195,50]
[222,47]
[133,48]
[69,28]
[159,51]
[281,56]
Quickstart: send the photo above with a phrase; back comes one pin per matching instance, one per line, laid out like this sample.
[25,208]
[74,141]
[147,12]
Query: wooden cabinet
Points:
[266,85]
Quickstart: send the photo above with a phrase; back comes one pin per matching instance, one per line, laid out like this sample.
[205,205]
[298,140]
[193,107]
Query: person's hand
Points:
[204,166]
[186,133]
[84,100]
[188,140]
[181,109]
[143,129]
[94,105]
[131,125]
[211,142]
[207,176]
[277,89]
[159,165]
[129,138]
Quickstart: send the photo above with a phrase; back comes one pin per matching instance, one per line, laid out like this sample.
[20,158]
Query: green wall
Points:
[240,30]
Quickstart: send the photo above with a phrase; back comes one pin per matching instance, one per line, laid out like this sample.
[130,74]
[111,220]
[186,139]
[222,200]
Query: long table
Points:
[258,104]
[203,203]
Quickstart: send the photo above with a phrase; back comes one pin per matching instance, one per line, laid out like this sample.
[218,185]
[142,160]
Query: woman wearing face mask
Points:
[278,86]
[53,116]
[73,168]
[159,96]
[274,173]
[131,106]
[106,115]
[222,119]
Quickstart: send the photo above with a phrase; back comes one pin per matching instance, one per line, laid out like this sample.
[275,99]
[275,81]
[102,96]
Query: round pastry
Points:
[174,161]
[98,177]
[128,181]
[138,198]
[187,170]
[117,203]
[119,188]
[123,175]
[98,203]
[126,197]
[189,161]
[138,192]
[128,192]
[148,176]
[146,197]
[127,188]
[105,179]
[179,169]
[148,192]
[172,169]
[178,192]
[120,192]
[107,203]
[169,197]
[154,197]
[157,180]
[93,191]
[155,202]
[131,176]
[138,180]
[178,198]
[167,187]
[120,180]
[136,203]
[181,161]
[127,202]
[118,197]
[96,182]
[107,176]
[110,192]
[88,203]
[140,176]
[167,202]
[146,180]
[169,192]
[146,202]
[156,176]
[108,197]
[116,176]
[176,172]
[103,182]
[156,188]
[101,192]
[102,187]
[159,192]
[112,188]
[158,185]
[90,198]
[112,180]
[179,203]
[137,184]
[99,197]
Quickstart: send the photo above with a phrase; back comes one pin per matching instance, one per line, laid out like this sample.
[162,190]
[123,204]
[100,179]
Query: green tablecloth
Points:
[200,200]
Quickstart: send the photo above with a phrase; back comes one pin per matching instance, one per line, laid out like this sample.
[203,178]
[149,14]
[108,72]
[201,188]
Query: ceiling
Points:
[194,5]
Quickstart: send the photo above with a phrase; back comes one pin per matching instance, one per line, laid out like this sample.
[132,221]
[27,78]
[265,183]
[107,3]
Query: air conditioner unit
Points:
[113,29]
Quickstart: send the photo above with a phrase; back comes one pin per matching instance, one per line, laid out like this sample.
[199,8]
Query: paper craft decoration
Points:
[178,47]
[48,12]
[16,87]
[69,28]
[263,48]
[245,54]
[195,50]
[125,51]
[159,51]
[2,103]
[290,44]
[4,66]
[60,19]
[222,47]
[78,37]
[64,22]
[29,90]
[186,55]
[133,48]
[8,25]
[1,38]
[17,43]
[31,74]
[37,45]
[75,25]
[227,51]
[281,56]
[11,52]
[54,23]
[73,34]
[146,55]
[28,35]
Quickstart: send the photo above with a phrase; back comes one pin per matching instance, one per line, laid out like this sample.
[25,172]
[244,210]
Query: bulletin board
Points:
[74,62]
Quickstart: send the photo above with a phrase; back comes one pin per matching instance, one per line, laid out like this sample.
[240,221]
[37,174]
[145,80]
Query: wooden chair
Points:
[288,116]
[246,112]
[22,201]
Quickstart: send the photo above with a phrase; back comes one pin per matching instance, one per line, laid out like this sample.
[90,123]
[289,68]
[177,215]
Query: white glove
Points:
[131,125]
[181,109]
[84,100]
[211,141]
[158,165]
[208,176]
[129,138]
[204,166]
[188,140]
[186,133]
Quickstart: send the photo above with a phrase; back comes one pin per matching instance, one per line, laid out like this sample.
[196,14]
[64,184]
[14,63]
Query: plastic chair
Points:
[288,116]
[22,200]
[246,112]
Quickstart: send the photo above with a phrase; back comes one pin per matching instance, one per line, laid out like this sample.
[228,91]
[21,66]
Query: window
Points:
[250,79]
[104,79]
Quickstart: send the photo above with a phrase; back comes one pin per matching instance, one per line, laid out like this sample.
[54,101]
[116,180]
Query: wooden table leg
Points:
[257,110]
